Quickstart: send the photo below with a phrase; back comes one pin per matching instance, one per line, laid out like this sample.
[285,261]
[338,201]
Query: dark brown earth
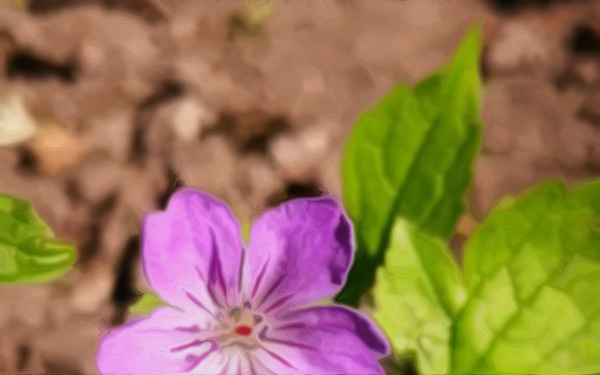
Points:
[128,100]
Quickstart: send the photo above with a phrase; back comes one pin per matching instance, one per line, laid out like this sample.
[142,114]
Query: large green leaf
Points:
[419,292]
[532,274]
[28,250]
[411,157]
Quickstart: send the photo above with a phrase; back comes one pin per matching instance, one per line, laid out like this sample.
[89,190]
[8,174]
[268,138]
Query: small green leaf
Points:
[411,156]
[146,304]
[534,273]
[418,293]
[28,250]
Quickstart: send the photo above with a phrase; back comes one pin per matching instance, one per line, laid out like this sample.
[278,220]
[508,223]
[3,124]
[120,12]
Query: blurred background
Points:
[108,106]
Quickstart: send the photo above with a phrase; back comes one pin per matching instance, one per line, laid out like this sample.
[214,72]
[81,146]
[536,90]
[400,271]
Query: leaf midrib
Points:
[384,235]
[433,125]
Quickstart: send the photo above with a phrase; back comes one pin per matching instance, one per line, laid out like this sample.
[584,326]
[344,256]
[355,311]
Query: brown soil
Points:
[134,98]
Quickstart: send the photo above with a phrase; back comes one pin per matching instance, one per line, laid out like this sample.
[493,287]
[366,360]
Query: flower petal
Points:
[322,340]
[299,253]
[192,252]
[166,342]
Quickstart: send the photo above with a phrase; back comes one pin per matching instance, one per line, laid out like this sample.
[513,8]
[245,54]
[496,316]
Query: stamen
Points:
[235,313]
[243,330]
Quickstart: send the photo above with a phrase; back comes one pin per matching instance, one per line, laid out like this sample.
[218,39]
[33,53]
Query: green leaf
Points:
[411,156]
[534,273]
[419,292]
[28,250]
[146,304]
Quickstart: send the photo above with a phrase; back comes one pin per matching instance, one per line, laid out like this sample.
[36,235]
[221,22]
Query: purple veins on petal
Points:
[216,271]
[241,270]
[263,336]
[196,302]
[193,344]
[291,326]
[224,371]
[189,329]
[197,359]
[251,364]
[277,357]
[199,273]
[260,277]
[278,303]
[216,280]
[271,290]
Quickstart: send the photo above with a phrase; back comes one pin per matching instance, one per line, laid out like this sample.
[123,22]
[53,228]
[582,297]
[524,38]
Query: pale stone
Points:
[16,125]
[189,117]
[302,151]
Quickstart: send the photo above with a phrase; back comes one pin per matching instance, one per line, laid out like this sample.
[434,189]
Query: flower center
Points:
[243,330]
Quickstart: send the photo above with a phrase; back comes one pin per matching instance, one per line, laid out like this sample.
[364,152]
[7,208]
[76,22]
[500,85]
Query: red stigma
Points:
[243,330]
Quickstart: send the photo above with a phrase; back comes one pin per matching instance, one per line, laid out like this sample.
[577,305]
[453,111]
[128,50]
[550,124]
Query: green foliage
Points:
[28,250]
[420,292]
[146,304]
[411,157]
[532,273]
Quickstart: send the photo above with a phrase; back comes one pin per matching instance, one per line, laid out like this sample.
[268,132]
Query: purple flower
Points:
[244,310]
